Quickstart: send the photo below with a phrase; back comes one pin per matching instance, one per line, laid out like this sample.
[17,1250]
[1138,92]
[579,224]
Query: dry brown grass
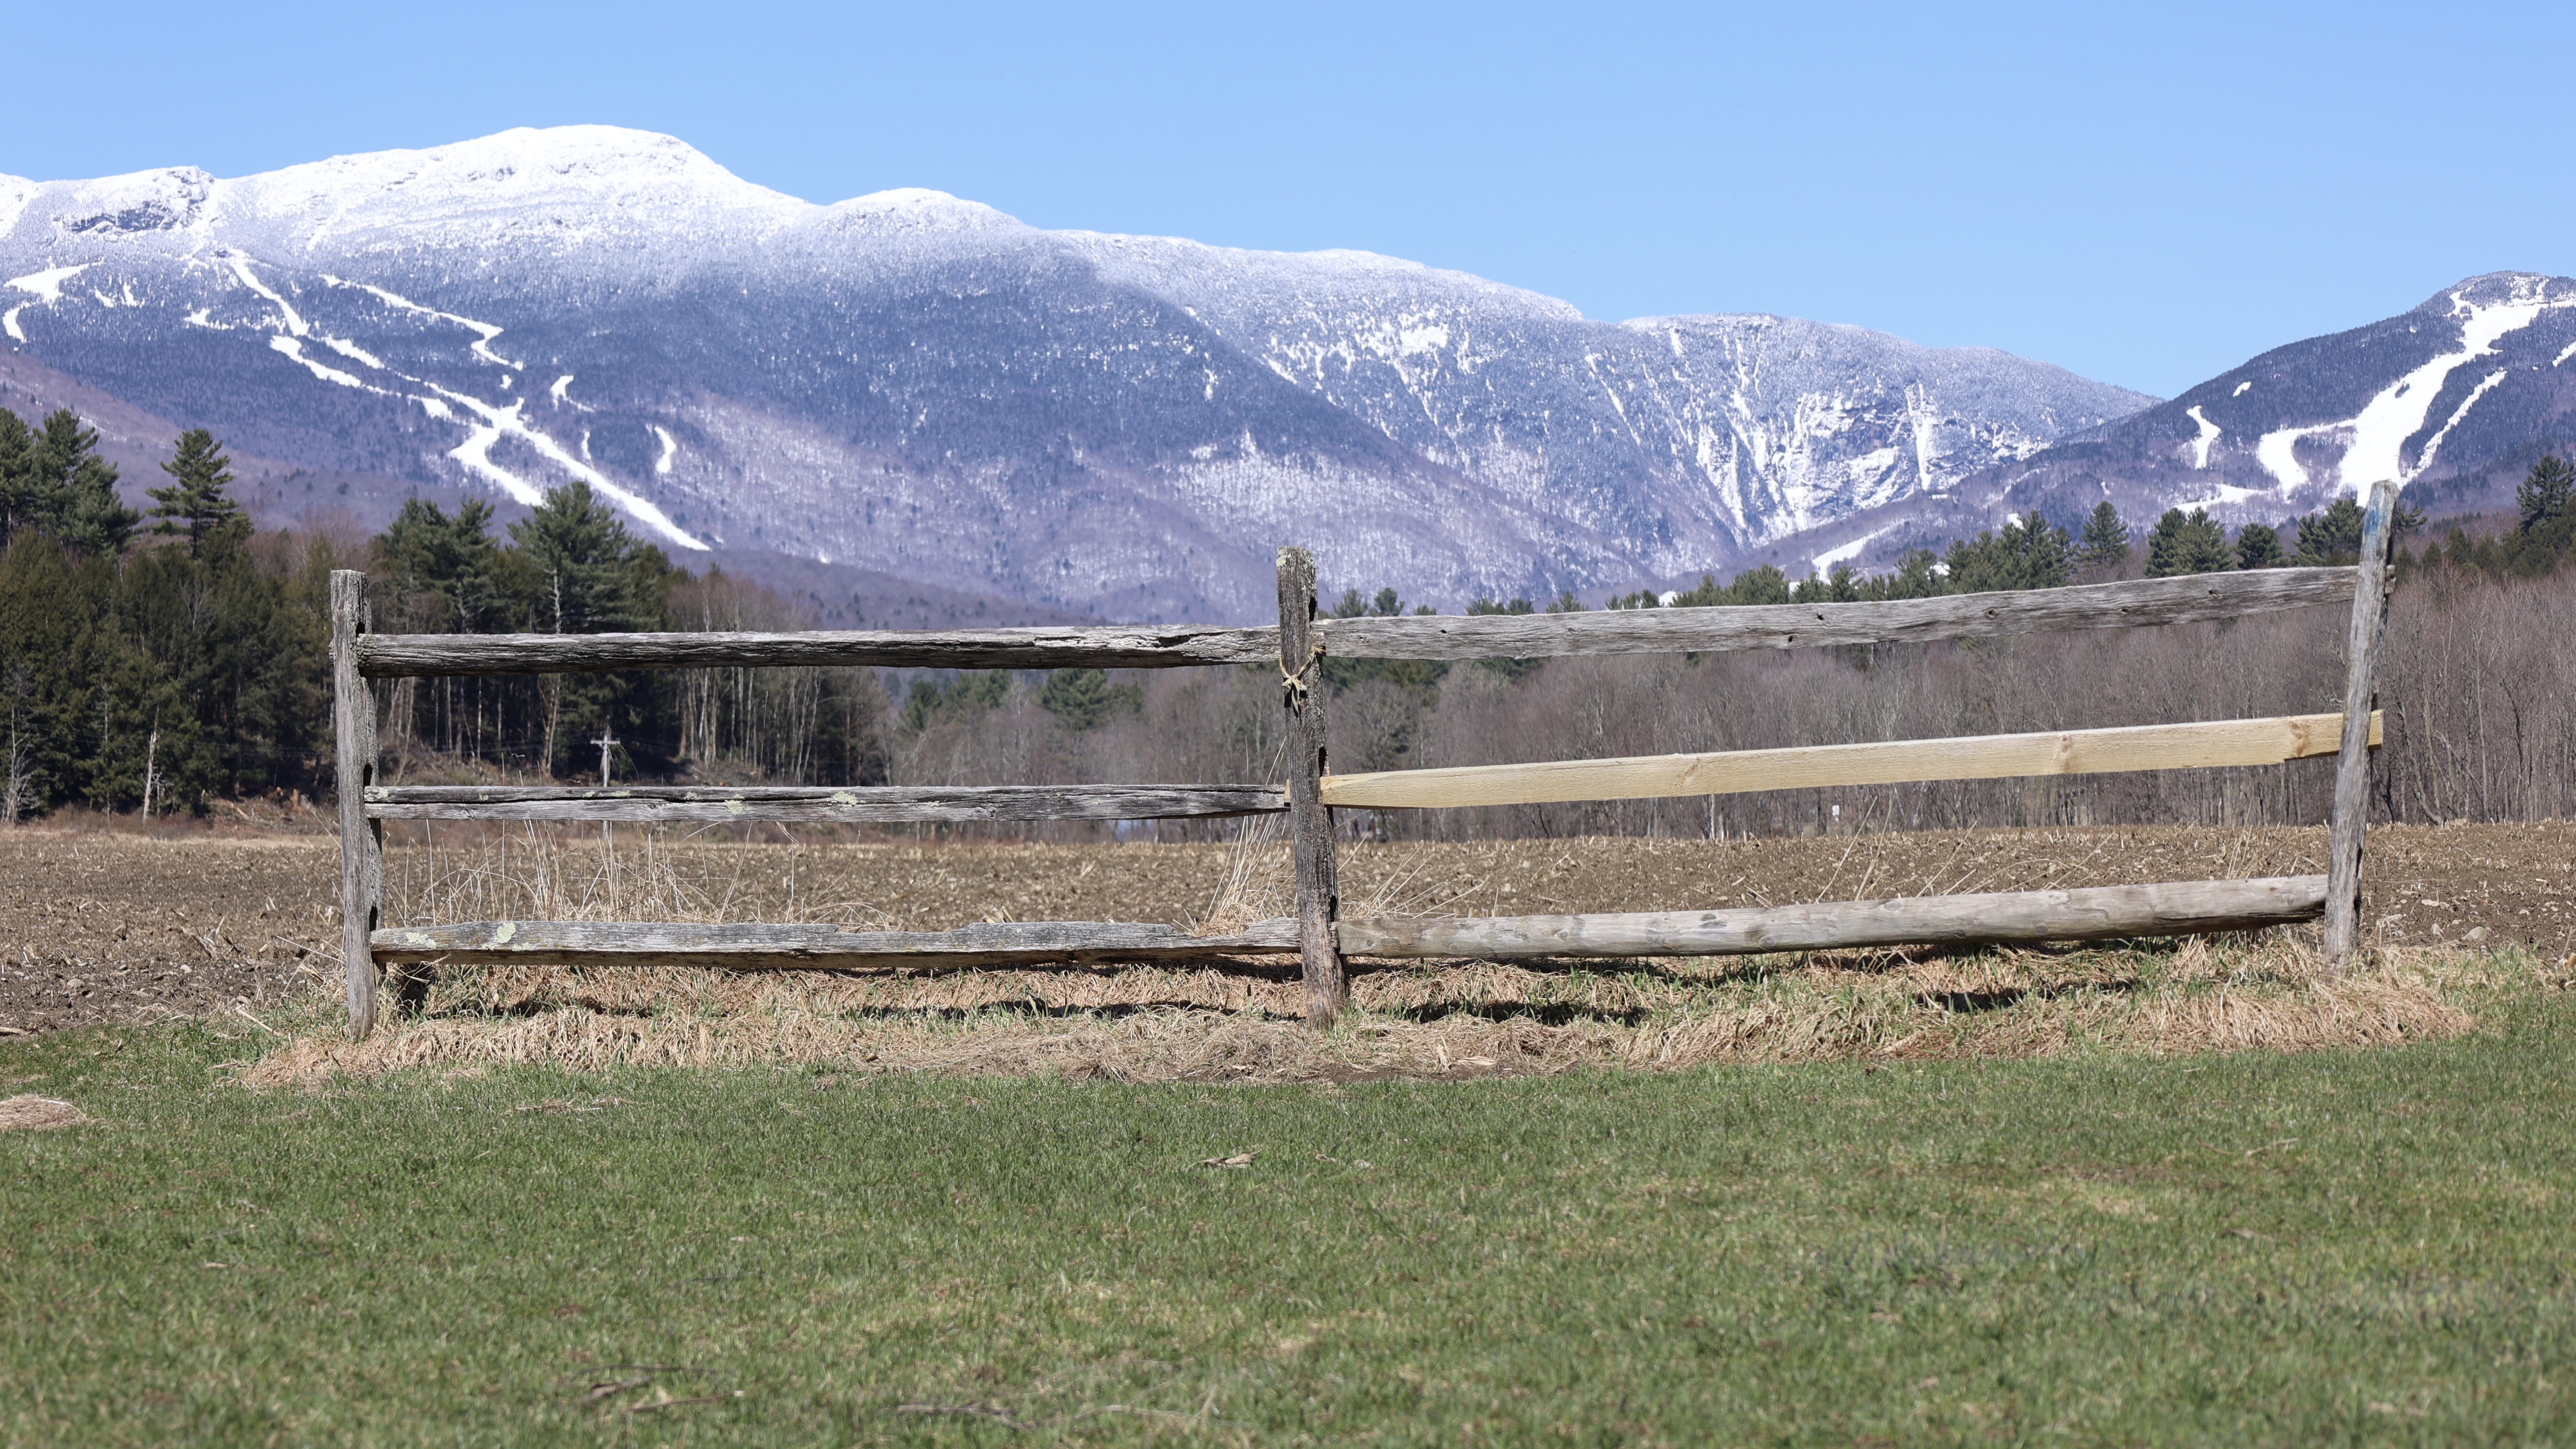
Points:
[1467,1019]
[1174,1023]
[25,1113]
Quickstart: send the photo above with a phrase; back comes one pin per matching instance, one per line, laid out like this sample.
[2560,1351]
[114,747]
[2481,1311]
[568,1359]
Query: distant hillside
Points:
[2454,399]
[927,390]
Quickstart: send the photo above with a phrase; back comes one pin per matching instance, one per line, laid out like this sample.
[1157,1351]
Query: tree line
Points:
[165,658]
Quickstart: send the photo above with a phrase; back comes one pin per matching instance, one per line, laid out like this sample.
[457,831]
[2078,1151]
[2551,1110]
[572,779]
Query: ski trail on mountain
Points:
[296,326]
[2433,444]
[484,331]
[294,348]
[489,424]
[45,286]
[2208,435]
[2398,411]
[498,423]
[291,342]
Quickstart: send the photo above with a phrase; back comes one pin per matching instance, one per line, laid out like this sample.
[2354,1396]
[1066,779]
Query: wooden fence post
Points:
[353,728]
[2360,694]
[1310,823]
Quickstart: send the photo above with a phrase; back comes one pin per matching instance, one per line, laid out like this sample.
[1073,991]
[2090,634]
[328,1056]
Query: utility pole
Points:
[607,743]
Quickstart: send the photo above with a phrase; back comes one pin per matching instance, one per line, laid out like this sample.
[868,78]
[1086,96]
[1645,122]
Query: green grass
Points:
[2339,1246]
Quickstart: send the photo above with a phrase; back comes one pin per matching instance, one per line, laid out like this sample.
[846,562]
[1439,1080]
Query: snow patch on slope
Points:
[484,331]
[47,285]
[2380,430]
[294,348]
[494,424]
[1844,553]
[2208,435]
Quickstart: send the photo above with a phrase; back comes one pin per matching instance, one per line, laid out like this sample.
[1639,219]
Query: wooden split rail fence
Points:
[1317,934]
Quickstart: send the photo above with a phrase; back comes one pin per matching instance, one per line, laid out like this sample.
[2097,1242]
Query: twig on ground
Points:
[967,1411]
[612,1390]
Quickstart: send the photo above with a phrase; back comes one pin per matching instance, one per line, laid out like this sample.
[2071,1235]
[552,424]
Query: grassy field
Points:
[2100,1247]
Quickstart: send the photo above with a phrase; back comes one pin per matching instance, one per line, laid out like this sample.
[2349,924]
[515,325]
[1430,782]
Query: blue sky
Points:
[2145,194]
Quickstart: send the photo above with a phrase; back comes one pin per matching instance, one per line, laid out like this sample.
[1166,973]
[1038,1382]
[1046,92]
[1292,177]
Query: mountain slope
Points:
[916,384]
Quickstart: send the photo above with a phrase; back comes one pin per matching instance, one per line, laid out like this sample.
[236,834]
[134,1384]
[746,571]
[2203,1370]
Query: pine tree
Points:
[71,491]
[17,476]
[2027,554]
[2543,495]
[451,562]
[580,554]
[1762,585]
[2258,546]
[2333,536]
[586,574]
[2190,543]
[1082,698]
[2106,538]
[195,504]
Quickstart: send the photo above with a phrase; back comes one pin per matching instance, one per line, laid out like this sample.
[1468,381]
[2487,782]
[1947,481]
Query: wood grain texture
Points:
[820,805]
[2351,811]
[353,736]
[1983,757]
[1125,647]
[2096,913]
[780,947]
[1484,636]
[1310,821]
[2187,599]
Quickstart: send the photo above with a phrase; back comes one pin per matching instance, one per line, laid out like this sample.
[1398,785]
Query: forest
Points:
[161,660]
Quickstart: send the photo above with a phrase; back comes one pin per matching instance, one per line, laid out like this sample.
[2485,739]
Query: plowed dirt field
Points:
[101,927]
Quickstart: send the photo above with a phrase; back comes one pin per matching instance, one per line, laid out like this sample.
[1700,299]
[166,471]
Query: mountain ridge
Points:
[922,385]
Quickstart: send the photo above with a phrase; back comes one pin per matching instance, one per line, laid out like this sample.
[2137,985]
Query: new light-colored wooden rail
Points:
[1317,935]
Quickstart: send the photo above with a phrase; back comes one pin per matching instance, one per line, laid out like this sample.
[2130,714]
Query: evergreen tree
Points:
[970,695]
[69,491]
[17,476]
[585,574]
[2190,543]
[195,504]
[2333,536]
[2543,495]
[1841,586]
[2106,538]
[1083,698]
[450,567]
[1917,576]
[581,561]
[2027,554]
[1763,585]
[2258,546]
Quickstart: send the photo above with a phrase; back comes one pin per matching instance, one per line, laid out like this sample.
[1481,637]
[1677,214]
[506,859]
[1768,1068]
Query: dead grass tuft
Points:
[27,1113]
[1240,1022]
[1452,1020]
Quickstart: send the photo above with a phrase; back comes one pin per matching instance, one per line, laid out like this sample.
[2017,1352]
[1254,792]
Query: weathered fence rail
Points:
[2189,599]
[1317,935]
[820,804]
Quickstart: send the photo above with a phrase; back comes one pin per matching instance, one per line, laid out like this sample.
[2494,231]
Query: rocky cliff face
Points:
[922,386]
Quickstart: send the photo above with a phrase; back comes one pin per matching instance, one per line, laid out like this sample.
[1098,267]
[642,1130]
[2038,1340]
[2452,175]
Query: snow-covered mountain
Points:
[2453,400]
[920,385]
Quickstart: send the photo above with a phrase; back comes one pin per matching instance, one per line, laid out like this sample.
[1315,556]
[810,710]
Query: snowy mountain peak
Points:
[915,383]
[914,208]
[584,178]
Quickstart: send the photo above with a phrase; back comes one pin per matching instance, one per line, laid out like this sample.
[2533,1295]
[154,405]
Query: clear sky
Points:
[2147,194]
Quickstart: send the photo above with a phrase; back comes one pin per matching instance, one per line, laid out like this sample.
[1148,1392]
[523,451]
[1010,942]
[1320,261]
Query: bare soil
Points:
[99,927]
